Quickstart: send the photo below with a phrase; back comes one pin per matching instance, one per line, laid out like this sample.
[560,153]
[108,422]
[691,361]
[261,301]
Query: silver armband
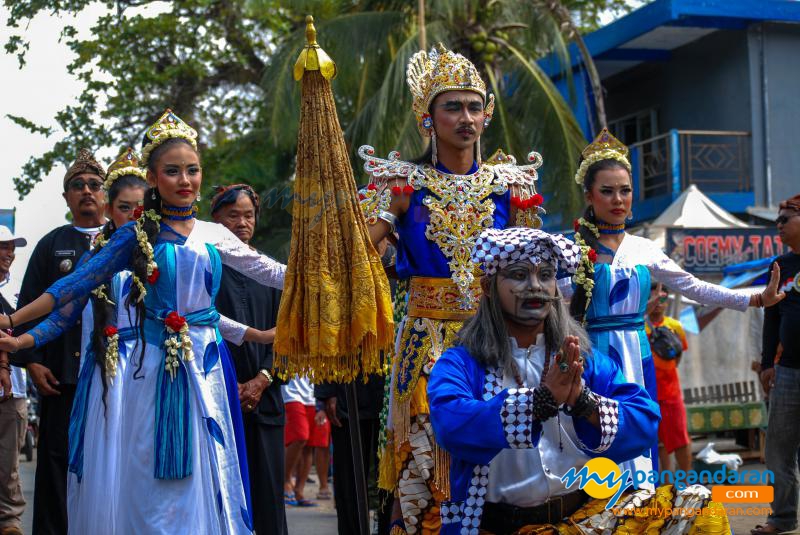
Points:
[389,218]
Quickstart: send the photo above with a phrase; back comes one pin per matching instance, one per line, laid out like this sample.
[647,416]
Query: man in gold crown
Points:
[435,208]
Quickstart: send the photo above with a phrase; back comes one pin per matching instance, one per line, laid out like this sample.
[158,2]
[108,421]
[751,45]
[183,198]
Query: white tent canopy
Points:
[692,209]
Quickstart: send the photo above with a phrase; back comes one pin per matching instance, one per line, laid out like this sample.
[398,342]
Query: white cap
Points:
[6,235]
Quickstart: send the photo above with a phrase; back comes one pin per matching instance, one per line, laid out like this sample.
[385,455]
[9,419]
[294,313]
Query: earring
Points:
[153,194]
[486,121]
[591,212]
[434,159]
[478,151]
[630,216]
[199,197]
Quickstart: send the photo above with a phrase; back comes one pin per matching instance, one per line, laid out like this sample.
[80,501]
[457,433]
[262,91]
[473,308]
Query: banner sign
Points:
[701,250]
[7,218]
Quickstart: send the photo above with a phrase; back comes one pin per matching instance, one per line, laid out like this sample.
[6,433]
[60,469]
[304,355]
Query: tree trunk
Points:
[564,20]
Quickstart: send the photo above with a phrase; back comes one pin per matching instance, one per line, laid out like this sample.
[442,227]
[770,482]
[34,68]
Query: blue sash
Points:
[621,322]
[173,429]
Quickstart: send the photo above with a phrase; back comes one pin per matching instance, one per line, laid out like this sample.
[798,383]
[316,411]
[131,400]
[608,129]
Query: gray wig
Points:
[486,338]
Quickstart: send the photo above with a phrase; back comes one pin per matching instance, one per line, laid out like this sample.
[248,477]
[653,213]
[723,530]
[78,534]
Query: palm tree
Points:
[372,42]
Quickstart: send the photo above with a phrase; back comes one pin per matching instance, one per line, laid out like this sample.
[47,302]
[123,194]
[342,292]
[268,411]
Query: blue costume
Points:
[471,413]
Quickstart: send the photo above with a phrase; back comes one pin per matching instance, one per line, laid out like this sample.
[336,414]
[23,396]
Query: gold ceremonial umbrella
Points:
[335,316]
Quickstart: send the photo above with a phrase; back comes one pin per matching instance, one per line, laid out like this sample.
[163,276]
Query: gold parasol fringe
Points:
[335,316]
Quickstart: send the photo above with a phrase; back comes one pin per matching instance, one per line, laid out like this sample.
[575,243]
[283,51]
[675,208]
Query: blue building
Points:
[704,92]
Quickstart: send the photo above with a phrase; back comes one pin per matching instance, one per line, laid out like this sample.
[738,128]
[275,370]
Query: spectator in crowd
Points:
[306,428]
[248,302]
[667,343]
[781,380]
[370,402]
[54,367]
[13,409]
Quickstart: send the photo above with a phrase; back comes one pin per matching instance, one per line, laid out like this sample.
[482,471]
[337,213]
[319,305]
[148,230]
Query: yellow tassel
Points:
[441,471]
[387,471]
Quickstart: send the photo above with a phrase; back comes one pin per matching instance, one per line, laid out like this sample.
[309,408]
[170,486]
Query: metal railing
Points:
[716,161]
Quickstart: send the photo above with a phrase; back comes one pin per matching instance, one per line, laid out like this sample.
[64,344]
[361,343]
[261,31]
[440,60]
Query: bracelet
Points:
[10,322]
[5,366]
[759,301]
[544,405]
[389,218]
[585,405]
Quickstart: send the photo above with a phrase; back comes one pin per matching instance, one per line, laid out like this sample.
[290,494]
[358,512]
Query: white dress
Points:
[181,455]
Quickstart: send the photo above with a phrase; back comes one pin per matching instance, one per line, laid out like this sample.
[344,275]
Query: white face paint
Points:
[526,292]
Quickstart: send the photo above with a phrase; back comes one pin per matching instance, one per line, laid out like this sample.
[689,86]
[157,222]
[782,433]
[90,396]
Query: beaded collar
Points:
[607,228]
[178,213]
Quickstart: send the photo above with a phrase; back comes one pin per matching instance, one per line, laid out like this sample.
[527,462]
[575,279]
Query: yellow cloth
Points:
[335,316]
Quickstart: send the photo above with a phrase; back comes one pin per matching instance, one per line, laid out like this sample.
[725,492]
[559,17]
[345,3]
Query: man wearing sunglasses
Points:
[54,367]
[780,376]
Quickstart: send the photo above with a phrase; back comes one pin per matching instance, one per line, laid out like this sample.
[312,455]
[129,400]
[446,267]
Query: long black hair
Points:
[578,304]
[102,309]
[139,260]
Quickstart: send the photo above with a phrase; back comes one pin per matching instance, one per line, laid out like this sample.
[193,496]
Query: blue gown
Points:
[181,444]
[471,415]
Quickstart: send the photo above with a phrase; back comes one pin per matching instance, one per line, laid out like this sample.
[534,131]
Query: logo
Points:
[603,478]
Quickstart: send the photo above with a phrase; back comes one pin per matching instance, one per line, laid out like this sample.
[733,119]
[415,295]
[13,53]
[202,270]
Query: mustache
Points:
[467,129]
[526,295]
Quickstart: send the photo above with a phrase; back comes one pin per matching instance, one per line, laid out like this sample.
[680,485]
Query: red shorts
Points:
[300,425]
[672,429]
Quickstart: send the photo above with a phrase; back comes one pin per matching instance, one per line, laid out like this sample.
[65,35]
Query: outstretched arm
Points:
[68,291]
[238,255]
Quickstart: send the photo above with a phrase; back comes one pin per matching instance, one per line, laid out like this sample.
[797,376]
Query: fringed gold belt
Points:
[438,298]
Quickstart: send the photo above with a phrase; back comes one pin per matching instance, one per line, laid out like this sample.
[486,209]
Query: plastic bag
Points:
[708,455]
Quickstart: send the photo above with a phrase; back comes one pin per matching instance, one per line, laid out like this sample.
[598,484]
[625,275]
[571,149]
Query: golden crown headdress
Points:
[431,73]
[126,163]
[167,127]
[604,147]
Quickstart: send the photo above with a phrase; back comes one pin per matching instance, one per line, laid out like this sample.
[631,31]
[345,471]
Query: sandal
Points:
[324,495]
[288,498]
[765,529]
[305,503]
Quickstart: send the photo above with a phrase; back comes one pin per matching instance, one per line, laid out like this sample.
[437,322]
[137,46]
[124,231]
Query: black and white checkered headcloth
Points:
[495,249]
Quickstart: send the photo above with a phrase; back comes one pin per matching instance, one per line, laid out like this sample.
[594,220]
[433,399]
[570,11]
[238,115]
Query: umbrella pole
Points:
[358,458]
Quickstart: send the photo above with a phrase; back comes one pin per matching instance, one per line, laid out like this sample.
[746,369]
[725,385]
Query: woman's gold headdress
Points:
[167,127]
[604,147]
[126,163]
[437,71]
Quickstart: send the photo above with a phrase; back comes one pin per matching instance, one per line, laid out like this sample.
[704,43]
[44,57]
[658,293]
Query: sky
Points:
[38,91]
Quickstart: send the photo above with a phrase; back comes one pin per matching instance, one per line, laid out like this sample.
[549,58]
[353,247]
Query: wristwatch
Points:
[266,374]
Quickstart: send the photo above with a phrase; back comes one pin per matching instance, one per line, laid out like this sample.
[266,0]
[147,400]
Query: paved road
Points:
[321,520]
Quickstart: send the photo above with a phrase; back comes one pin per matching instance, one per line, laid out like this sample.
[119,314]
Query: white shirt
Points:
[9,288]
[299,389]
[530,477]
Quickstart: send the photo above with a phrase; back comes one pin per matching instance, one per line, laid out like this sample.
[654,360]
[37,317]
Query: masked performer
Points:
[522,399]
[612,282]
[437,207]
[184,463]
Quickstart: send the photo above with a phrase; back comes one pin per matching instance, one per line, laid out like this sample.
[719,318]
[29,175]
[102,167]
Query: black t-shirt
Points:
[782,321]
[55,256]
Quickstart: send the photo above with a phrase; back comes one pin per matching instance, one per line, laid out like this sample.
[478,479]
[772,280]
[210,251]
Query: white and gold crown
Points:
[604,147]
[167,127]
[431,73]
[126,163]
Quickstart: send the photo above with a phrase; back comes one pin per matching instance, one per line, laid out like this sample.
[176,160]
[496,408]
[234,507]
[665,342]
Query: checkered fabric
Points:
[496,248]
[517,416]
[476,497]
[609,421]
[451,512]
